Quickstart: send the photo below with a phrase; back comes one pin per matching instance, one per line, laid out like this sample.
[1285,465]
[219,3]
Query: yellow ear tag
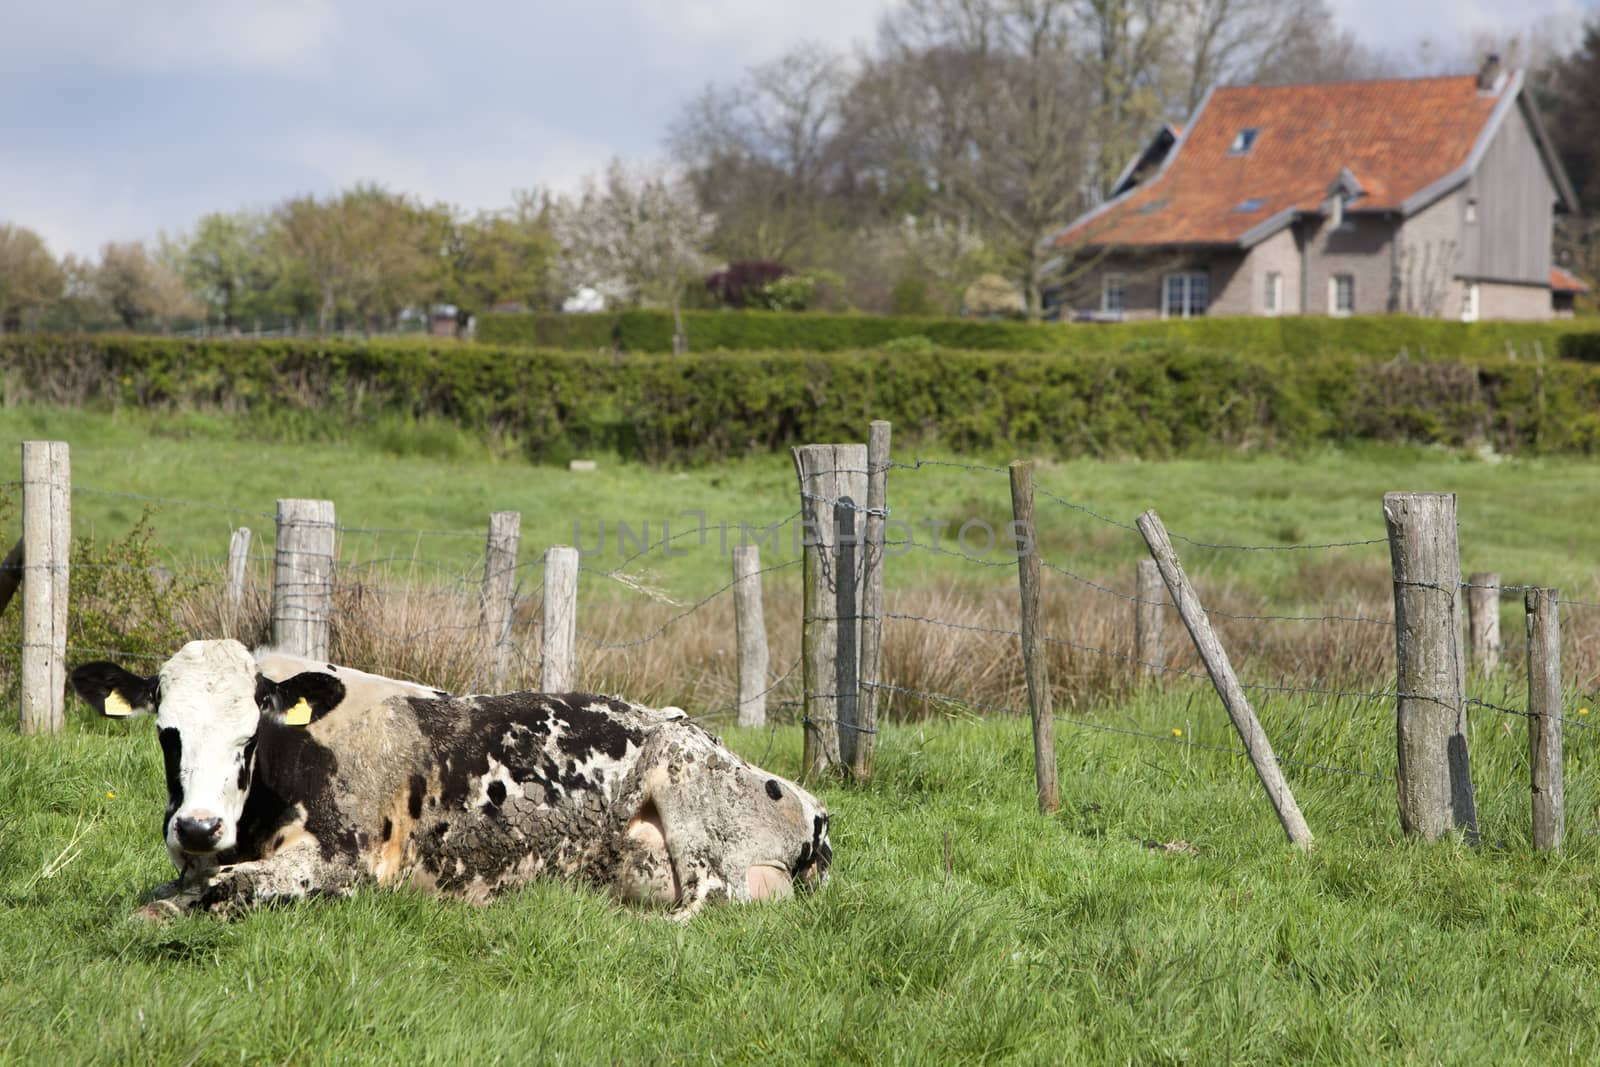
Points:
[116,707]
[299,715]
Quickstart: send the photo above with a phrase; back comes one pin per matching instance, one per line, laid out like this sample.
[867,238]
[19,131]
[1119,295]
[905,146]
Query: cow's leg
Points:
[289,875]
[672,845]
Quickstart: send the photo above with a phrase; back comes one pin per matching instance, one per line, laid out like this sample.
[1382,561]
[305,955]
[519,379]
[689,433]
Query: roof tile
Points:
[1397,136]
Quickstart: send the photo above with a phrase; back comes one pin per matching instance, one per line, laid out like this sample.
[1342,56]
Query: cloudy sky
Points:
[120,120]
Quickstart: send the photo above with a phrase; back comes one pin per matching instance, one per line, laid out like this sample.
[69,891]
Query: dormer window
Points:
[1243,141]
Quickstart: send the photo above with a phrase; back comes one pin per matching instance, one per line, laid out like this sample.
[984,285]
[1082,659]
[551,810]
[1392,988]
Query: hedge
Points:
[1297,336]
[553,405]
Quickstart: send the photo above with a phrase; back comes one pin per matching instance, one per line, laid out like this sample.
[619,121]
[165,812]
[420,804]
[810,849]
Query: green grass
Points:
[1520,517]
[1073,938]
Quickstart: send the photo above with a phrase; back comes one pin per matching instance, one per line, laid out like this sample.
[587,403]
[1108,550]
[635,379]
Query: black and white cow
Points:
[287,778]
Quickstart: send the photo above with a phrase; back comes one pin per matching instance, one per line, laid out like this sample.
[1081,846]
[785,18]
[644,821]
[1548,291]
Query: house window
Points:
[1469,303]
[1184,296]
[1342,294]
[1472,210]
[1272,299]
[1243,141]
[1111,294]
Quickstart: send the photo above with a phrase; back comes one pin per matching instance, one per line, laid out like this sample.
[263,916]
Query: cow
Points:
[288,778]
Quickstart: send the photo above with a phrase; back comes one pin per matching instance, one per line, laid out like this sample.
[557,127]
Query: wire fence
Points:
[951,647]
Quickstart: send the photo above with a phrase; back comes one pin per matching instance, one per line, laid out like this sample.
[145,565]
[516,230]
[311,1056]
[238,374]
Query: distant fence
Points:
[842,689]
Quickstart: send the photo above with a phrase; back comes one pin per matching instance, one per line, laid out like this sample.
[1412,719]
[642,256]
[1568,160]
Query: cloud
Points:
[176,36]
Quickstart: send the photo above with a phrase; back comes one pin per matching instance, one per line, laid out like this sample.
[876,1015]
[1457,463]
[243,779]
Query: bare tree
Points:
[30,278]
[636,235]
[761,153]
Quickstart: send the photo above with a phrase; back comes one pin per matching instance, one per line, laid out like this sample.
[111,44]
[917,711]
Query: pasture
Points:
[1159,917]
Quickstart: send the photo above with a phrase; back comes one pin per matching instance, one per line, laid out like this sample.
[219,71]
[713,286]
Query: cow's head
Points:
[209,701]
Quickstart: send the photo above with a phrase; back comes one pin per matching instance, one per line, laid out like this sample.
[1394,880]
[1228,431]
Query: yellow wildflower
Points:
[1176,732]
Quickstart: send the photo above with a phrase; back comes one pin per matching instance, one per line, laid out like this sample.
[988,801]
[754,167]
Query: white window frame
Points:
[1113,282]
[1333,296]
[1471,305]
[1188,281]
[1272,297]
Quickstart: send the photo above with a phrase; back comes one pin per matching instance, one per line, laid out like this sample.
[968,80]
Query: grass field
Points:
[1158,918]
[1521,517]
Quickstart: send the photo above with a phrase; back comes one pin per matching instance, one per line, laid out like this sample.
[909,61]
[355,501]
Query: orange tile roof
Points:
[1396,136]
[1566,282]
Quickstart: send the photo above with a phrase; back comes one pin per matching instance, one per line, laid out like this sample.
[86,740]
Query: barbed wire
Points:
[658,631]
[918,463]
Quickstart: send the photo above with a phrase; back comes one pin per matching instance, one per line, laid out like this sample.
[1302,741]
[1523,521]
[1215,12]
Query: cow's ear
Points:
[114,692]
[301,700]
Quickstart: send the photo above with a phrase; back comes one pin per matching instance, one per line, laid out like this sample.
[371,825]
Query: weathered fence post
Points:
[238,559]
[1483,620]
[872,597]
[1256,744]
[560,635]
[497,601]
[833,478]
[47,545]
[1544,717]
[1148,646]
[1040,706]
[302,583]
[751,628]
[1433,773]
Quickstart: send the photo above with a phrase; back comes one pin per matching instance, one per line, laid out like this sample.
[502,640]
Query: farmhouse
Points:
[1422,196]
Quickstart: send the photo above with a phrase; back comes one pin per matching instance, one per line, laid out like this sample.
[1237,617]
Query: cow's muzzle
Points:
[197,834]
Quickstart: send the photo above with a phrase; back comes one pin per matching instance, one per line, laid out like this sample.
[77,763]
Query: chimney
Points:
[1489,73]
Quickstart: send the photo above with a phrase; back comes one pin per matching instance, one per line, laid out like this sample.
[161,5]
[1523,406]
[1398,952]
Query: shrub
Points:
[1581,346]
[1295,337]
[1167,397]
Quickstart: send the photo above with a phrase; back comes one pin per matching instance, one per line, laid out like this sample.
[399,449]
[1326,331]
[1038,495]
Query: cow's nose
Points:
[198,835]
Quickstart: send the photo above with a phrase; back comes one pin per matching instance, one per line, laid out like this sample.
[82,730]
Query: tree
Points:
[636,236]
[367,252]
[1574,125]
[138,289]
[1009,141]
[30,278]
[499,258]
[763,153]
[233,265]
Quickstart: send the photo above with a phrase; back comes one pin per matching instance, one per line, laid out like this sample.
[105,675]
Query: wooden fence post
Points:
[1040,706]
[1483,620]
[751,627]
[829,475]
[559,673]
[1149,647]
[497,601]
[238,559]
[872,597]
[47,546]
[1544,717]
[1433,773]
[302,583]
[1256,743]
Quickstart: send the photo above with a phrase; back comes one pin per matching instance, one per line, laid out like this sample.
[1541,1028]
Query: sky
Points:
[121,121]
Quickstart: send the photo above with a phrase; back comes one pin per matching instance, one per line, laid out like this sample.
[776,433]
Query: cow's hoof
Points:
[159,912]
